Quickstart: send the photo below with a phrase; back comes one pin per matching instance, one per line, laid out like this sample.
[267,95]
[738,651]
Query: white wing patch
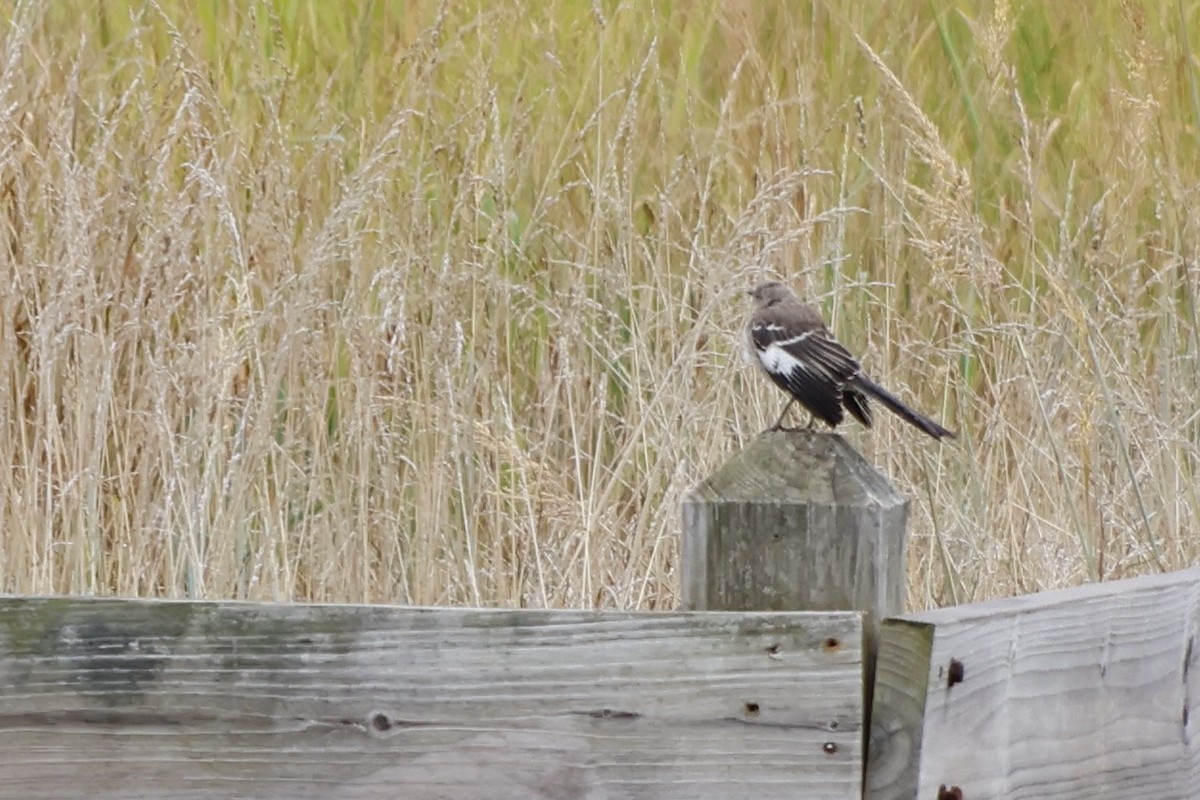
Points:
[778,360]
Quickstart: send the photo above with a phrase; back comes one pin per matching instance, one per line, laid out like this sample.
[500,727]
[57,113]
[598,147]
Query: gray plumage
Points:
[801,356]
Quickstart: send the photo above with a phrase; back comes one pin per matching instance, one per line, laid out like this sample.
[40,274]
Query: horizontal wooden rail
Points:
[143,699]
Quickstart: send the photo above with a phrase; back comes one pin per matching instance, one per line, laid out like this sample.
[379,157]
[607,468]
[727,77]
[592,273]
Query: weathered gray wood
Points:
[144,699]
[795,521]
[1083,693]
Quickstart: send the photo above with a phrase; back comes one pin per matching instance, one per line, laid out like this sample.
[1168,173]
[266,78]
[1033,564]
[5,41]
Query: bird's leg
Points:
[778,426]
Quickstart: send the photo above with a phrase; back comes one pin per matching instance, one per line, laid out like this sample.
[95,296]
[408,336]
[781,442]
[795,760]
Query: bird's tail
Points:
[897,407]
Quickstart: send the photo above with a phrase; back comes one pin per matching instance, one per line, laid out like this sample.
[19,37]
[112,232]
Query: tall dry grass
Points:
[440,303]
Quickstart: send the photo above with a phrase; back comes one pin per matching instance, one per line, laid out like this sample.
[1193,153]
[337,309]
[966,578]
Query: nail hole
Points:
[832,644]
[955,674]
[752,709]
[951,793]
[381,722]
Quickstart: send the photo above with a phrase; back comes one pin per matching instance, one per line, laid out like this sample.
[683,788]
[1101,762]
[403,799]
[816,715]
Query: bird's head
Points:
[769,293]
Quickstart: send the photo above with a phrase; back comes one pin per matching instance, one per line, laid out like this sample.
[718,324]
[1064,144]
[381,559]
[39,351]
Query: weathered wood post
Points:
[797,521]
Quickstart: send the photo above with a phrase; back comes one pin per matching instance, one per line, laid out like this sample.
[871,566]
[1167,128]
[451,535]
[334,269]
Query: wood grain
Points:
[145,699]
[797,520]
[1084,694]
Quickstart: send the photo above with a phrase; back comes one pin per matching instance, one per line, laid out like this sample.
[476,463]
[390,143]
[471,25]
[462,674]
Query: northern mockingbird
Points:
[802,357]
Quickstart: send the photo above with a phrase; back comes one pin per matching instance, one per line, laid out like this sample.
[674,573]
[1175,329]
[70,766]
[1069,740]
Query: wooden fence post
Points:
[797,521]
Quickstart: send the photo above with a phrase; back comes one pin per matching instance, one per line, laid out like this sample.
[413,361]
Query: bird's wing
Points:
[809,364]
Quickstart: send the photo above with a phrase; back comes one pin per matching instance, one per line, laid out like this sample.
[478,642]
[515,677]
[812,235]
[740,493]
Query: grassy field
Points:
[441,303]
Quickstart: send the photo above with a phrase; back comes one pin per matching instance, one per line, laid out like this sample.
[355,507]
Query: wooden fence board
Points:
[1083,693]
[150,699]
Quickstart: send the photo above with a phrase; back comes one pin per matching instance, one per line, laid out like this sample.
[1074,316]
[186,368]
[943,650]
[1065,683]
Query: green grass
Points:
[441,303]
